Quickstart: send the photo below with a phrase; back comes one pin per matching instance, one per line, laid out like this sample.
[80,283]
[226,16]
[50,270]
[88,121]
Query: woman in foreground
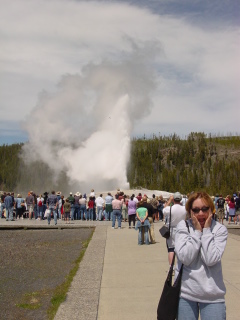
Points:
[200,250]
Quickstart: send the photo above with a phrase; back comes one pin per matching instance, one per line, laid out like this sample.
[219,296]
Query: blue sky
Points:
[195,65]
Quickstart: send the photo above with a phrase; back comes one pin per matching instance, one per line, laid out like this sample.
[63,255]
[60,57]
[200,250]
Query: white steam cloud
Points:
[84,127]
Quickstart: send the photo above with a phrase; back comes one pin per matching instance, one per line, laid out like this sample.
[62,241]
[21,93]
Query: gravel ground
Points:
[33,263]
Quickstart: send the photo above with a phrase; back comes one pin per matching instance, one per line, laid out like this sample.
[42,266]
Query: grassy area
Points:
[60,292]
[31,301]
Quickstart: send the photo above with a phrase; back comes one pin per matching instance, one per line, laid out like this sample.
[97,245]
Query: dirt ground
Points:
[32,264]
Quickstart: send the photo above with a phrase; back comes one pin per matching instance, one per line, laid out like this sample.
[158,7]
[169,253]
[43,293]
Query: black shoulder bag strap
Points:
[170,218]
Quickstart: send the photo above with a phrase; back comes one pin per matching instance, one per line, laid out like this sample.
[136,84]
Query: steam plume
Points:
[84,128]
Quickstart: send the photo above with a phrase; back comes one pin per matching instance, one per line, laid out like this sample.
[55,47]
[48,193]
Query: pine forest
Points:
[169,163]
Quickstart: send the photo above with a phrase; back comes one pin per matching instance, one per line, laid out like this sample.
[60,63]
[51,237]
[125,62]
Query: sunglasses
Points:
[197,210]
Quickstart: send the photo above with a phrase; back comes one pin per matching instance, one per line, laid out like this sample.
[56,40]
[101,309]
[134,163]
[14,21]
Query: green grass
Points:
[28,306]
[31,300]
[60,292]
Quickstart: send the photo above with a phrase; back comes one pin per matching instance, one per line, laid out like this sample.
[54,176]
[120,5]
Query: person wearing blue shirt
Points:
[9,203]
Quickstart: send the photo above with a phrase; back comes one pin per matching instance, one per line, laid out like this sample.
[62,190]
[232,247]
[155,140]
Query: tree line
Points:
[169,163]
[197,162]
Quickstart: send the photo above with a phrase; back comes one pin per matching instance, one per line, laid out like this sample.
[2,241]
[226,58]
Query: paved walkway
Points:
[118,279]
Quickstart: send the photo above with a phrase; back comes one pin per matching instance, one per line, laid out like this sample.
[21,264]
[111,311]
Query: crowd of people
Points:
[82,207]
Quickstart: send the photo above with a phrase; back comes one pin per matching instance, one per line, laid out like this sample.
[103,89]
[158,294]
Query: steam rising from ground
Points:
[84,127]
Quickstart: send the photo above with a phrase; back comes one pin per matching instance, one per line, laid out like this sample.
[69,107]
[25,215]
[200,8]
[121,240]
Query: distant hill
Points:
[198,162]
[169,163]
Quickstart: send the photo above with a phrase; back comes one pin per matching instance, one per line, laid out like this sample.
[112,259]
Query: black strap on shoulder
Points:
[170,218]
[187,225]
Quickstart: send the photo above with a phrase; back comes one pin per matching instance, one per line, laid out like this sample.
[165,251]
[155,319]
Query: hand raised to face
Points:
[208,221]
[195,222]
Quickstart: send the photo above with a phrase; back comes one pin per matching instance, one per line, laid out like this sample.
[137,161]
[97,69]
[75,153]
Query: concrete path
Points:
[118,279]
[133,276]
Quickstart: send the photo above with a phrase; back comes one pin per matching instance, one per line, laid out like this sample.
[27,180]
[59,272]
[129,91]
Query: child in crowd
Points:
[67,209]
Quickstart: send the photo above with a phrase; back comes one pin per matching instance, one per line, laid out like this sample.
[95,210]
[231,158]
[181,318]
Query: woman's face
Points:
[202,214]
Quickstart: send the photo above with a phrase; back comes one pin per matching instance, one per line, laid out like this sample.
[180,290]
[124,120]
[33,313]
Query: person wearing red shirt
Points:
[90,208]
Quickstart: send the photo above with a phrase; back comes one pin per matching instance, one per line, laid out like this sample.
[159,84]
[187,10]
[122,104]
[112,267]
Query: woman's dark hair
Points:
[132,197]
[140,203]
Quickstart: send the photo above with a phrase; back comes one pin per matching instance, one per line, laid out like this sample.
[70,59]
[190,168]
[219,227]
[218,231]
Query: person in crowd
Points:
[92,194]
[77,213]
[117,212]
[199,246]
[220,205]
[90,208]
[100,205]
[52,203]
[45,197]
[40,201]
[132,208]
[135,198]
[154,203]
[184,200]
[142,224]
[145,202]
[35,209]
[9,205]
[62,207]
[226,207]
[178,213]
[71,201]
[67,209]
[125,208]
[3,195]
[232,210]
[108,206]
[19,204]
[237,207]
[30,204]
[59,206]
[83,208]
[160,207]
[216,205]
[121,195]
[118,192]
[139,196]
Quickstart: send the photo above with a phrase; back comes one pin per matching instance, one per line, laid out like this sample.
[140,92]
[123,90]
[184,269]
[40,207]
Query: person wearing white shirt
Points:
[99,204]
[178,213]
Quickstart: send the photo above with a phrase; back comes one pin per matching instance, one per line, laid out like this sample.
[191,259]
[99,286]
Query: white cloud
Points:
[42,40]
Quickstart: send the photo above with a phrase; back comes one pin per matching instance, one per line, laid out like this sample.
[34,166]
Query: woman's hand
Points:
[196,223]
[208,221]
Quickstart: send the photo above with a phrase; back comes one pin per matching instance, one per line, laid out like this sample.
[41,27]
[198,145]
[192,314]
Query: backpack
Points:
[40,203]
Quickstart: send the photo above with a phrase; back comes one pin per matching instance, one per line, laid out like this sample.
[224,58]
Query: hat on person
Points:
[78,194]
[177,196]
[58,193]
[70,193]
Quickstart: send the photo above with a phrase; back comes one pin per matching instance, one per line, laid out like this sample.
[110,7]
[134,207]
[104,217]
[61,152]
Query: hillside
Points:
[169,163]
[195,163]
